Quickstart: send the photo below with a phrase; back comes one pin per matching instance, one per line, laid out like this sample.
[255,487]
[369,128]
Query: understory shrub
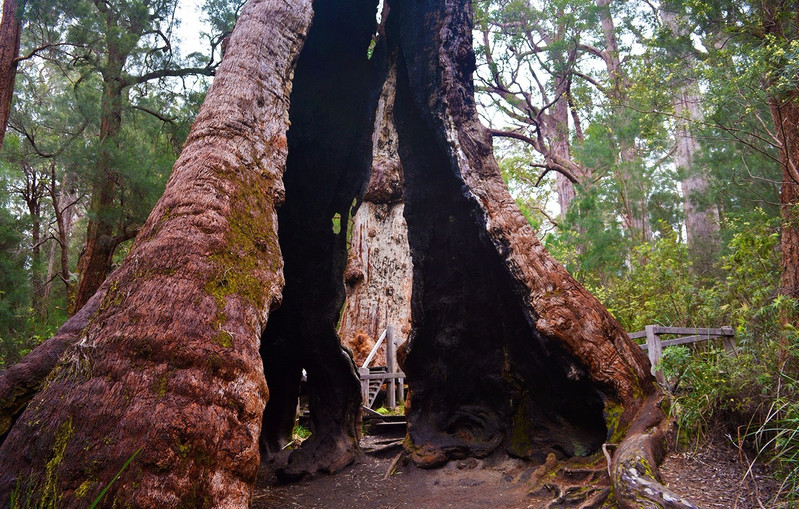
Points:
[751,396]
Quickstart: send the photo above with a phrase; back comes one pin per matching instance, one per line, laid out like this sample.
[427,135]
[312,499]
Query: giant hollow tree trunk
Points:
[332,113]
[506,348]
[170,361]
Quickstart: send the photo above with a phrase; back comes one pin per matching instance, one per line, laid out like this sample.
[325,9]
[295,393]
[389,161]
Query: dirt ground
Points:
[710,477]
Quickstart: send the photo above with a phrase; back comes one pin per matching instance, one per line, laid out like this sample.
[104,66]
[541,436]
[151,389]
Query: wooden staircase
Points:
[374,385]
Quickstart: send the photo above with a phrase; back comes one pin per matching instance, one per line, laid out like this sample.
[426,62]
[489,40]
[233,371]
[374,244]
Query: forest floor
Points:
[711,476]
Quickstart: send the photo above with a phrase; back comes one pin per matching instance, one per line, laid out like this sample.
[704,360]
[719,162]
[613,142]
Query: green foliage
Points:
[82,52]
[300,433]
[591,243]
[661,288]
[778,436]
[747,395]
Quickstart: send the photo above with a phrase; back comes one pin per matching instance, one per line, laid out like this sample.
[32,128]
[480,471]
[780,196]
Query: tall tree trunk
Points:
[379,269]
[701,219]
[37,282]
[10,29]
[64,211]
[558,127]
[97,257]
[168,365]
[778,21]
[633,192]
[785,114]
[33,194]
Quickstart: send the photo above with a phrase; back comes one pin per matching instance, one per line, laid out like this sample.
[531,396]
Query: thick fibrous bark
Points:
[506,347]
[9,49]
[168,365]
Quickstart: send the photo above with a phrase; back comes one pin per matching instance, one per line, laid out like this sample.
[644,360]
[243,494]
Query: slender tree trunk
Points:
[37,283]
[10,29]
[64,211]
[778,21]
[181,315]
[785,114]
[560,146]
[33,195]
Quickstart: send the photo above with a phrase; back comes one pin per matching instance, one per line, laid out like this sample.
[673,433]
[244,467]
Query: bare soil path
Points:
[711,477]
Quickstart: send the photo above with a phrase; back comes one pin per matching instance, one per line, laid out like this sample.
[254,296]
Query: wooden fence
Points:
[654,345]
[372,378]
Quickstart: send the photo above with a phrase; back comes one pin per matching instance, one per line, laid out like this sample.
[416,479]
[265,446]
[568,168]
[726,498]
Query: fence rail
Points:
[654,345]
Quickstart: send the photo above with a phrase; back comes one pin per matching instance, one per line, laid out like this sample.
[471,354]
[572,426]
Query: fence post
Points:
[364,385]
[728,340]
[391,366]
[654,349]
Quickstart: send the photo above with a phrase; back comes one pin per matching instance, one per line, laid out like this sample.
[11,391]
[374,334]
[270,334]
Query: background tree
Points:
[10,29]
[701,216]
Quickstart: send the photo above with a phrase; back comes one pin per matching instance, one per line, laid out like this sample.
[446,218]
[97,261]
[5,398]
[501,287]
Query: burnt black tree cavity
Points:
[331,113]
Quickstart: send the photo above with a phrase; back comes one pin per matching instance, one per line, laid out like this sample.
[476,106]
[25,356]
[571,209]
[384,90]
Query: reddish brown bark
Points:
[9,50]
[168,365]
[778,21]
[785,114]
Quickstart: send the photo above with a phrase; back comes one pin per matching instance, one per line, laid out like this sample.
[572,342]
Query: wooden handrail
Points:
[374,349]
[654,345]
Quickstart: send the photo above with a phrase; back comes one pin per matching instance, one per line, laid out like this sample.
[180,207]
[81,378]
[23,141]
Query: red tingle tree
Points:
[190,354]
